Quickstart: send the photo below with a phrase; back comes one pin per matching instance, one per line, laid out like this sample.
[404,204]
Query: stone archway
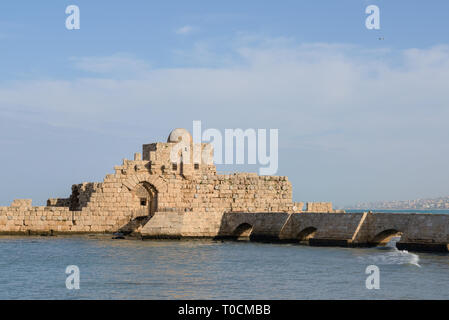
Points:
[306,234]
[145,200]
[382,238]
[243,231]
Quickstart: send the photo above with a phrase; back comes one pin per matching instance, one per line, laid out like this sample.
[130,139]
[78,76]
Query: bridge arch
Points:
[383,237]
[306,234]
[243,231]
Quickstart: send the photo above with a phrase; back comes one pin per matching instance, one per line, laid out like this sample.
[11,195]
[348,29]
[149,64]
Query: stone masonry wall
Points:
[319,207]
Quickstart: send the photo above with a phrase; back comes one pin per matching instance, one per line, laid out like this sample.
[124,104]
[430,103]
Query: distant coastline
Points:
[440,203]
[435,211]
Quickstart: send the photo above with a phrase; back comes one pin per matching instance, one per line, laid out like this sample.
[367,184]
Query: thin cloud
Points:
[116,64]
[185,30]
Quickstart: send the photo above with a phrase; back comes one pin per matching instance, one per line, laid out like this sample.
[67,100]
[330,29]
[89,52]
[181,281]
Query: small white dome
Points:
[179,134]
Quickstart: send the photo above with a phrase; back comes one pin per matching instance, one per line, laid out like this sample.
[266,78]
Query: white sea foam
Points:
[391,255]
[396,256]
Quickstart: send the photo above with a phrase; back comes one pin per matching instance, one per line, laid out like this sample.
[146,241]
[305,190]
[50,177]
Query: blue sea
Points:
[35,268]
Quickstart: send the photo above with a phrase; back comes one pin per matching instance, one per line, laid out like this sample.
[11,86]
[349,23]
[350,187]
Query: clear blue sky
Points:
[359,118]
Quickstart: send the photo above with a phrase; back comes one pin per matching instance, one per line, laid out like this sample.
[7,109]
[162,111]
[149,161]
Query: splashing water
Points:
[391,255]
[396,256]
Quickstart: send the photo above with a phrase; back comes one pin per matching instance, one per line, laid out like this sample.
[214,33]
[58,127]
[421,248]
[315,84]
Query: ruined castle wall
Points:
[25,219]
[157,156]
[57,219]
[200,189]
[110,205]
[319,207]
[93,207]
[58,202]
[244,192]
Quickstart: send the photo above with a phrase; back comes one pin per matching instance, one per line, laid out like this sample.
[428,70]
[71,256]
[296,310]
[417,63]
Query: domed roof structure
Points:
[179,134]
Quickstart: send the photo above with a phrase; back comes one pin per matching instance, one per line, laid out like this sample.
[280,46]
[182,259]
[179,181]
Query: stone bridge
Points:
[419,232]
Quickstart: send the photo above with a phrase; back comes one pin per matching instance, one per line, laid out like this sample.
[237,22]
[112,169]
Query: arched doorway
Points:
[306,234]
[145,196]
[243,232]
[382,238]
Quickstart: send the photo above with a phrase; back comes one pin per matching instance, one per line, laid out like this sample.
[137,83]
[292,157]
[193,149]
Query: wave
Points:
[392,255]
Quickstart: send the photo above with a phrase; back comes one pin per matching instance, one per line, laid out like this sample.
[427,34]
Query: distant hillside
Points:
[418,204]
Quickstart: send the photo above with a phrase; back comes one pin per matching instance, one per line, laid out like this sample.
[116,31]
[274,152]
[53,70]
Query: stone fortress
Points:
[154,196]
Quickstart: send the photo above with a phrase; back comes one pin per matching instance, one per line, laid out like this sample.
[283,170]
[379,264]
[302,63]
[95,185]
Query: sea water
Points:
[34,268]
